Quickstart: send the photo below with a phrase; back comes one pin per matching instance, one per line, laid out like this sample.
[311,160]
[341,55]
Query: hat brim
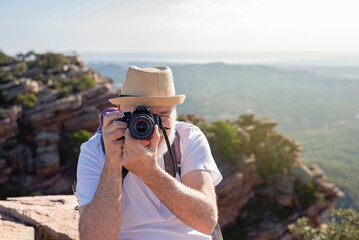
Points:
[148,101]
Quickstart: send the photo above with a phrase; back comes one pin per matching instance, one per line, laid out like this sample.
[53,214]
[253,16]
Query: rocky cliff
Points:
[33,133]
[265,188]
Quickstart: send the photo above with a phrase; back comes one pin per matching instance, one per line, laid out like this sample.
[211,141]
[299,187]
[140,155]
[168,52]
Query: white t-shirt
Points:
[144,216]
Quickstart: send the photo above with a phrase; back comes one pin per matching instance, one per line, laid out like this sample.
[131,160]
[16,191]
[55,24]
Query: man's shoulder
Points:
[185,126]
[93,143]
[94,139]
[188,131]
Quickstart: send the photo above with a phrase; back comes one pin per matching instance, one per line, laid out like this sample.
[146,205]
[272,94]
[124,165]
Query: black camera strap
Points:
[174,169]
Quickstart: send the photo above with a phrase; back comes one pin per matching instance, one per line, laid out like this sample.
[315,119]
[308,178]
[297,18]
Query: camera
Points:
[141,123]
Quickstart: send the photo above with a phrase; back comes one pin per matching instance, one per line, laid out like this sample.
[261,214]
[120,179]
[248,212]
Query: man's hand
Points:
[140,157]
[112,131]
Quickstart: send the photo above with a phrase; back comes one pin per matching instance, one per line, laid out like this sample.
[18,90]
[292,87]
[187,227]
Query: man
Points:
[148,203]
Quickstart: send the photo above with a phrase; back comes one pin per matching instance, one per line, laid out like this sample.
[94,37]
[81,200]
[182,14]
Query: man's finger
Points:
[155,139]
[114,126]
[133,143]
[110,117]
[115,135]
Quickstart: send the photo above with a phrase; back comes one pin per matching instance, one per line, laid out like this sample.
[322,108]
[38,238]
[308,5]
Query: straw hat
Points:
[152,86]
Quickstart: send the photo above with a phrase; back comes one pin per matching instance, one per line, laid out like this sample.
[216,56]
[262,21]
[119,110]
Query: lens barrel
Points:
[141,126]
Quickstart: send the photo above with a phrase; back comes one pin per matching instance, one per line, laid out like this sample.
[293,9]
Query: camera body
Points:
[141,122]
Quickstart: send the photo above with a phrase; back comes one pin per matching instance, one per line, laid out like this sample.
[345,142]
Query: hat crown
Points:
[152,86]
[151,82]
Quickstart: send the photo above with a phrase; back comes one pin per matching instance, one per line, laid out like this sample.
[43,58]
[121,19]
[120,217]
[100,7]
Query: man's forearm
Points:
[193,207]
[101,219]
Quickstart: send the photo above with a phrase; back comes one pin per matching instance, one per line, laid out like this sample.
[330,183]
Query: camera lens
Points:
[141,127]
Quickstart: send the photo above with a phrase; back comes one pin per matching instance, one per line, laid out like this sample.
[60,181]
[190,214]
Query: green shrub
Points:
[19,70]
[49,61]
[6,77]
[267,166]
[83,83]
[344,225]
[225,144]
[70,148]
[66,87]
[79,137]
[27,100]
[269,154]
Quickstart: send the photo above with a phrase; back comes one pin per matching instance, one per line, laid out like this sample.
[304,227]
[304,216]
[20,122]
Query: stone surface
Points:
[68,103]
[11,229]
[285,184]
[8,125]
[316,171]
[329,189]
[228,203]
[47,95]
[53,214]
[47,162]
[21,159]
[5,171]
[236,188]
[302,173]
[24,85]
[47,138]
[93,92]
[47,158]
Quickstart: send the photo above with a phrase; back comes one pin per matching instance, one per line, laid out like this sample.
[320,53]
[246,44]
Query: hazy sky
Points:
[182,25]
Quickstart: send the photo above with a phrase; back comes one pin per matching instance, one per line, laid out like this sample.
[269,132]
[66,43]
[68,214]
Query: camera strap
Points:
[173,171]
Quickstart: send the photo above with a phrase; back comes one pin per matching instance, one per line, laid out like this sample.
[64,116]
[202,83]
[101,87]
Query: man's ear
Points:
[119,108]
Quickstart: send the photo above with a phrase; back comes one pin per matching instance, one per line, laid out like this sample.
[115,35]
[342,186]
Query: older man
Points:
[148,203]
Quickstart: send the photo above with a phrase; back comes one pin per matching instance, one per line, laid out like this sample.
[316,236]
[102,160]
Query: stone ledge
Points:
[53,215]
[10,229]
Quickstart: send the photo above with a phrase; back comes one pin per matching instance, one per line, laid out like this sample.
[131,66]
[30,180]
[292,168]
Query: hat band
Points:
[123,95]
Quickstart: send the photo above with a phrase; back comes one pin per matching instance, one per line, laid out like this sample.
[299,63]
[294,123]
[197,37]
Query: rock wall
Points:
[40,218]
[243,186]
[30,139]
[236,188]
